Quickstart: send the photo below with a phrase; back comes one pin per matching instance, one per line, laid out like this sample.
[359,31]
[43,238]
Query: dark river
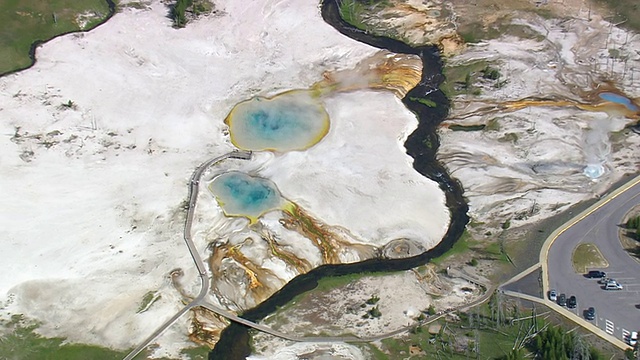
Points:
[421,145]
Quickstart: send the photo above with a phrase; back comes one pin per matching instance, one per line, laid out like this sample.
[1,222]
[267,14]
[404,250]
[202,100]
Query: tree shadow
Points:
[635,251]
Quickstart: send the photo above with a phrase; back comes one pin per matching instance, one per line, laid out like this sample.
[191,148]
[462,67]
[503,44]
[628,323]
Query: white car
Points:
[553,295]
[633,338]
[613,286]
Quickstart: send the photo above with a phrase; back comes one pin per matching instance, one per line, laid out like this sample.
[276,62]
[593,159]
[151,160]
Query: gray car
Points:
[562,300]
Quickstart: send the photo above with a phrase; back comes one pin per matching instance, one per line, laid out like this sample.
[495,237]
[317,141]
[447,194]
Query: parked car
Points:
[562,300]
[593,274]
[553,295]
[605,280]
[633,338]
[590,314]
[613,286]
[572,302]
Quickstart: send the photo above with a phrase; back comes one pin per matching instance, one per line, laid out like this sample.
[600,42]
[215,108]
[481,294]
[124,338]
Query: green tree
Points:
[179,18]
[515,354]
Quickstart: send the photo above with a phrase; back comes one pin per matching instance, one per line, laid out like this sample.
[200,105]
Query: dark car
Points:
[572,302]
[562,300]
[596,274]
[590,314]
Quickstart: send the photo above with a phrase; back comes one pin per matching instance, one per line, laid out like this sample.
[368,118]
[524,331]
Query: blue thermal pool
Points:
[619,99]
[294,120]
[240,194]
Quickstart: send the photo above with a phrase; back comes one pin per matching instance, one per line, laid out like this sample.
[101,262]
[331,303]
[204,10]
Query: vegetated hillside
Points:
[27,21]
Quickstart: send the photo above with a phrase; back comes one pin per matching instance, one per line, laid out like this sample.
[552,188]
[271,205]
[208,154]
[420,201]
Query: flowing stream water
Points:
[421,145]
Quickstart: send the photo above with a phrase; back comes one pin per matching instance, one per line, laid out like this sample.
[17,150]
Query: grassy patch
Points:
[27,21]
[21,342]
[475,32]
[147,300]
[459,247]
[355,11]
[511,138]
[626,11]
[329,283]
[587,255]
[493,125]
[460,78]
[455,341]
[467,127]
[375,353]
[325,284]
[427,102]
[194,7]
[197,353]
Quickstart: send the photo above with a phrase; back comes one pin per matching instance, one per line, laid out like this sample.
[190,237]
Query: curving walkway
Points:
[204,278]
[202,270]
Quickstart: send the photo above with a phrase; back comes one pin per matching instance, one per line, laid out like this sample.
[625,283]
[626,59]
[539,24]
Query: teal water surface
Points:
[290,121]
[240,194]
[619,99]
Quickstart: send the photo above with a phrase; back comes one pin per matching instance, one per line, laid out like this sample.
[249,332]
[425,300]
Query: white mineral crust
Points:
[91,215]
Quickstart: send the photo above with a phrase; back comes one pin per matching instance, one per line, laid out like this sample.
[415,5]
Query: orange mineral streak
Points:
[299,264]
[384,70]
[249,268]
[261,282]
[302,223]
[600,105]
[328,239]
[206,326]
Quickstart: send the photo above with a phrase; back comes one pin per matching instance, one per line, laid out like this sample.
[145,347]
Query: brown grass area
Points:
[587,256]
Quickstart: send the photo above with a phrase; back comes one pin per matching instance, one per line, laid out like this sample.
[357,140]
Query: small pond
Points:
[619,99]
[240,194]
[294,120]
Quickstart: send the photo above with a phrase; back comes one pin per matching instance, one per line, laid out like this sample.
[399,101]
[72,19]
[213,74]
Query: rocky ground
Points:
[526,134]
[102,135]
[348,309]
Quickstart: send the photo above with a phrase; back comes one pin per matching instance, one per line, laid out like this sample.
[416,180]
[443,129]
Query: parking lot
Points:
[617,311]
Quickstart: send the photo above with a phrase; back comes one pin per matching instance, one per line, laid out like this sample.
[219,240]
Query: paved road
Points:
[616,310]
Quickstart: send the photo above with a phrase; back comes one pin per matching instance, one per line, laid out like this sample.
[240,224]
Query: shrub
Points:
[431,310]
[491,73]
[373,299]
[374,312]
